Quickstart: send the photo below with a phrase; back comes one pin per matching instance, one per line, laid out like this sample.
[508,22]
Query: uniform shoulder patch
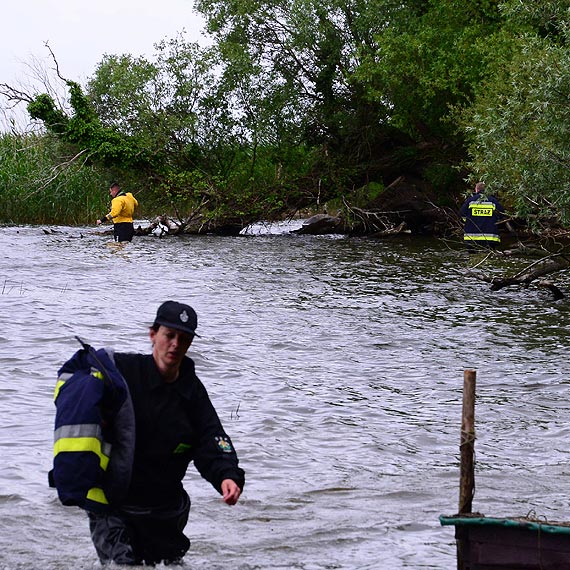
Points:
[224,444]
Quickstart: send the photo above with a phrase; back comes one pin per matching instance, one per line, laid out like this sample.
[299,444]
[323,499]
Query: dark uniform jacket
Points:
[481,214]
[175,424]
[94,437]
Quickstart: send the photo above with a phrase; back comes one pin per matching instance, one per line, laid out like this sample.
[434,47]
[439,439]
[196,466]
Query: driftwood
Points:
[404,200]
[400,229]
[532,273]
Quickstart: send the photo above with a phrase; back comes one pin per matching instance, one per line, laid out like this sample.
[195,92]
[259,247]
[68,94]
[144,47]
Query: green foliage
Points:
[155,104]
[299,58]
[297,102]
[545,18]
[37,185]
[230,148]
[366,194]
[361,77]
[442,177]
[518,129]
[85,130]
[429,60]
[44,109]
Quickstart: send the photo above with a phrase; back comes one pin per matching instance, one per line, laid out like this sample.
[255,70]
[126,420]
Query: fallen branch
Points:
[552,288]
[400,229]
[372,221]
[534,272]
[540,268]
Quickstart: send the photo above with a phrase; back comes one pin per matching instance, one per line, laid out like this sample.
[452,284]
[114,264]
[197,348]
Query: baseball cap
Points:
[177,316]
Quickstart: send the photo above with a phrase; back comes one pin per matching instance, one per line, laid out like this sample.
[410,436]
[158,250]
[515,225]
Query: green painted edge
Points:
[490,521]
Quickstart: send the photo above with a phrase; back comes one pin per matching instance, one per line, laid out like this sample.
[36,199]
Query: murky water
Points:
[336,366]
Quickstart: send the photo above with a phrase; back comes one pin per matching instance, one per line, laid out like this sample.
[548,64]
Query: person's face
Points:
[169,347]
[113,191]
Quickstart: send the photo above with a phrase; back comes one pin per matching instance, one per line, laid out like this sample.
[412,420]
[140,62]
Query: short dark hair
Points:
[114,185]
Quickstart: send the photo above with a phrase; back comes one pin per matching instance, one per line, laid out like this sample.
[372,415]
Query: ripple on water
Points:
[336,367]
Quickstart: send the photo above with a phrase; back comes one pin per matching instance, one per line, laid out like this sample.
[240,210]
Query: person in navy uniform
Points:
[175,423]
[481,214]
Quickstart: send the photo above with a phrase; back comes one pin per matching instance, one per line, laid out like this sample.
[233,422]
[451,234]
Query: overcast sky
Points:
[80,32]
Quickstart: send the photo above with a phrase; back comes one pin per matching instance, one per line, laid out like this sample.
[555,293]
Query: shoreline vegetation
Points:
[379,117]
[45,180]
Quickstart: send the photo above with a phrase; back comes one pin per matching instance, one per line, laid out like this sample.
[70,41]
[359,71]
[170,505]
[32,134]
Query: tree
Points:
[429,58]
[371,82]
[222,147]
[306,50]
[519,124]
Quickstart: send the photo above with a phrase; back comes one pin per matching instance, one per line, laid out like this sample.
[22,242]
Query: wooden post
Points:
[467,447]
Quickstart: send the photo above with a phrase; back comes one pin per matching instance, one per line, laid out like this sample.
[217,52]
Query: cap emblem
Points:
[184,316]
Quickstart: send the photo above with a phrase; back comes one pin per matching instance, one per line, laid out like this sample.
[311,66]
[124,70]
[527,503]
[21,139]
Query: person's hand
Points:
[98,222]
[230,491]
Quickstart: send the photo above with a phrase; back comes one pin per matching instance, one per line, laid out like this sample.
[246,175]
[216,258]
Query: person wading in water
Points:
[481,214]
[122,209]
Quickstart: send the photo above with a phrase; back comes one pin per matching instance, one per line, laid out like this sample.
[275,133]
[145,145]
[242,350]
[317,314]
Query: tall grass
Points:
[43,181]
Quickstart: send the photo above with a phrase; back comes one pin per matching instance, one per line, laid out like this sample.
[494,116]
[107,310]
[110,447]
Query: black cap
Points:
[177,316]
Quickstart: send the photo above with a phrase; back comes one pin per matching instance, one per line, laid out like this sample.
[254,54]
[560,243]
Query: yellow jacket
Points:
[122,208]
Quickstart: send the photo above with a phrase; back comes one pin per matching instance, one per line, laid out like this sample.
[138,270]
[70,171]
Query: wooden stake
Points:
[467,447]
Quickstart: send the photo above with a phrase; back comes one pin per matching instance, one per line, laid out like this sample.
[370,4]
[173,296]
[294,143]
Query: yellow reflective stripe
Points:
[481,237]
[482,204]
[62,379]
[83,430]
[97,495]
[58,386]
[75,444]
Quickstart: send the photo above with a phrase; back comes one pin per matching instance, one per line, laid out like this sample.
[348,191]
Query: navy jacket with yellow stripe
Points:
[94,416]
[481,214]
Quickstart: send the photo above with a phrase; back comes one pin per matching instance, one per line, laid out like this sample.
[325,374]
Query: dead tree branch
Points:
[375,222]
[532,273]
[55,62]
[14,96]
[540,268]
[59,169]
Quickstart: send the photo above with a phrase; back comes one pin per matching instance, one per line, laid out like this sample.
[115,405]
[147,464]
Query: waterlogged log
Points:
[533,273]
[540,268]
[321,224]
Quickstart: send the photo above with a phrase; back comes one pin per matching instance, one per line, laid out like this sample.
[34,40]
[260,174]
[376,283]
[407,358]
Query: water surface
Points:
[335,364]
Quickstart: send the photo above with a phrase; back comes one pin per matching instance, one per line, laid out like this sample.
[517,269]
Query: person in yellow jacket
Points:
[122,208]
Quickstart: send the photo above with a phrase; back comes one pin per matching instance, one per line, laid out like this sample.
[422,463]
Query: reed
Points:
[43,181]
